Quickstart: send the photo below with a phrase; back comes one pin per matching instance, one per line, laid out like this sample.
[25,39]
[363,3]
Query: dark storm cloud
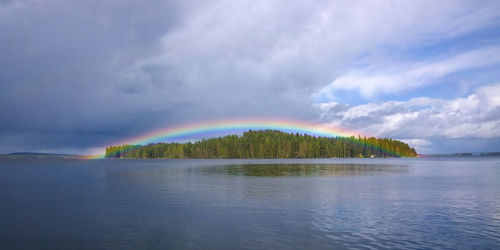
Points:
[58,61]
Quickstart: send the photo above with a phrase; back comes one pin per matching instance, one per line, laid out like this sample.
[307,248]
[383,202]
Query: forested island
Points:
[267,144]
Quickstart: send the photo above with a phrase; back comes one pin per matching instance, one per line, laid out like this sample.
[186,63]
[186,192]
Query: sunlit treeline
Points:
[268,144]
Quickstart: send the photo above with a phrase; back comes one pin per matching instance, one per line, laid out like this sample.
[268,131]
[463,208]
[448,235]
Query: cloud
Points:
[419,120]
[234,53]
[420,145]
[397,77]
[83,74]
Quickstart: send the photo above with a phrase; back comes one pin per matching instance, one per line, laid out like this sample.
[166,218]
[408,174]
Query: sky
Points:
[76,76]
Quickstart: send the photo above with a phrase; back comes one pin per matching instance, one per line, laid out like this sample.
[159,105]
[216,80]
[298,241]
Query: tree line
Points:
[264,144]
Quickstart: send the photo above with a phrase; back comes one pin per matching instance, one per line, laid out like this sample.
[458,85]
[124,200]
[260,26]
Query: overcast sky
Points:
[79,75]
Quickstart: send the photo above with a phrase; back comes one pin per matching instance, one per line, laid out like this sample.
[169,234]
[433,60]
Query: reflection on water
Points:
[275,170]
[450,203]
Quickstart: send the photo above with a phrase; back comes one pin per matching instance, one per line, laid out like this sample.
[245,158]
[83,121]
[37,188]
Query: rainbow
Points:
[235,126]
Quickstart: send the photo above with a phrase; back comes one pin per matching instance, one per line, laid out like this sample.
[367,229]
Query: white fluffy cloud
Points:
[474,116]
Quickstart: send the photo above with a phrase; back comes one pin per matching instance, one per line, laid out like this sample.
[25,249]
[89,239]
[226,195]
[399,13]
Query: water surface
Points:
[313,203]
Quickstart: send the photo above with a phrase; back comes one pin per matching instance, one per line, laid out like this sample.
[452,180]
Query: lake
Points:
[435,203]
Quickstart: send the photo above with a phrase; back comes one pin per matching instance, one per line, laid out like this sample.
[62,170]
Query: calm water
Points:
[214,204]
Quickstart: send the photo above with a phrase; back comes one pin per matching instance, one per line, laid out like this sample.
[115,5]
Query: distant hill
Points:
[491,154]
[267,144]
[34,155]
[487,154]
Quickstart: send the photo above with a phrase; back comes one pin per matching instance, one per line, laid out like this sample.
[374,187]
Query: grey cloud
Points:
[83,74]
[58,60]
